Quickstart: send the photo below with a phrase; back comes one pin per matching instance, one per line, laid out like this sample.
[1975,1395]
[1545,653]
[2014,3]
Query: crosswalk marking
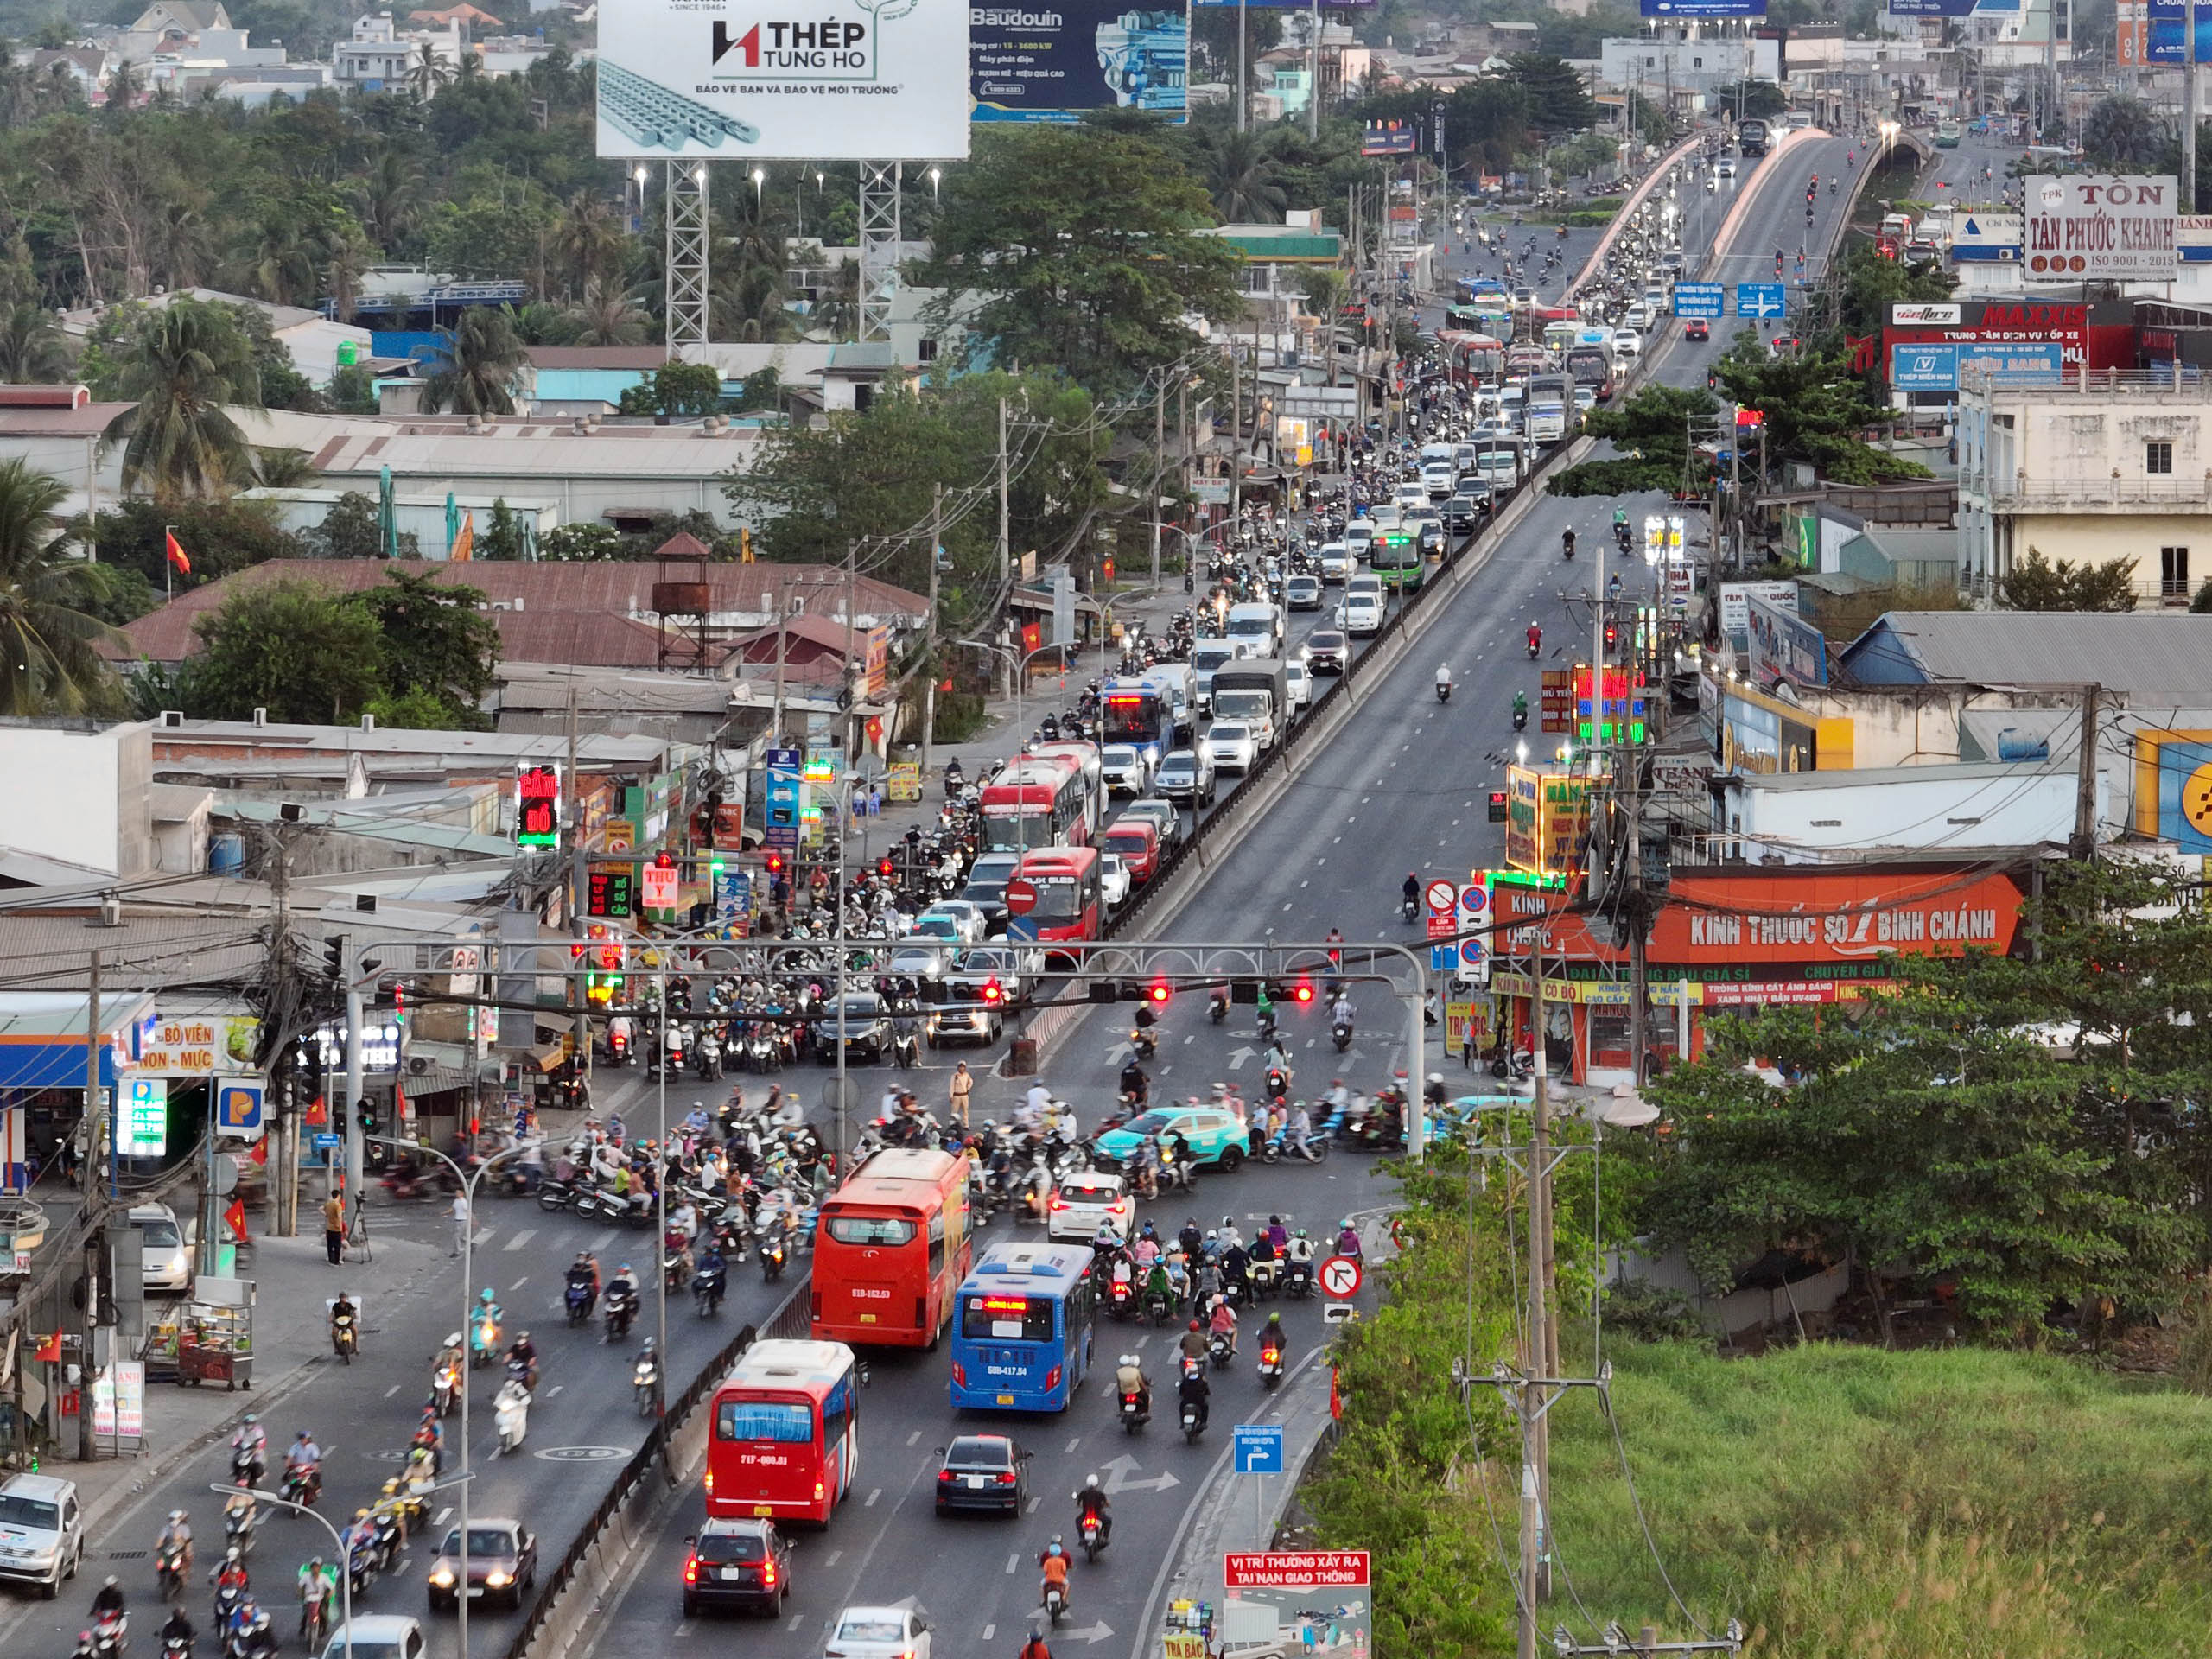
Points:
[521,1240]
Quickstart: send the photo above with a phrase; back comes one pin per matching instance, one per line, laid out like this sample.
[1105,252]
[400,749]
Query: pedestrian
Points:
[462,1224]
[963,1084]
[876,800]
[1467,1043]
[334,1229]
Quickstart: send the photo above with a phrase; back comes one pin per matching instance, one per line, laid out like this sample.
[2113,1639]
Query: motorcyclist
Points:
[624,1283]
[252,1440]
[303,1460]
[177,1535]
[343,1313]
[1567,541]
[523,1351]
[1129,1378]
[1224,1323]
[583,1275]
[1236,1266]
[107,1600]
[1347,1238]
[1444,680]
[1520,705]
[1412,889]
[241,1507]
[1193,1344]
[318,1581]
[1157,1283]
[1273,1338]
[1298,1252]
[1135,1083]
[1535,638]
[1090,1501]
[1053,1564]
[229,1572]
[1190,1238]
[1194,1390]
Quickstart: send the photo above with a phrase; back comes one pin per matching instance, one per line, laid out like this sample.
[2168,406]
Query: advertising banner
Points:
[753,81]
[2101,228]
[1781,646]
[1298,1601]
[1931,7]
[1923,368]
[1938,368]
[2173,788]
[1704,8]
[1734,615]
[1389,139]
[2160,38]
[141,1128]
[1053,62]
[195,1045]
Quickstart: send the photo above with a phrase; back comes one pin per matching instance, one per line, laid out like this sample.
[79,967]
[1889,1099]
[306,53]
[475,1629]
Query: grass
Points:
[1848,1501]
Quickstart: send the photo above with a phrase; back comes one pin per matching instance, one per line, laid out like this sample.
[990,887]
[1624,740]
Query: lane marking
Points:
[439,1519]
[521,1239]
[393,1390]
[914,1437]
[834,1554]
[989,1631]
[518,1284]
[1075,1442]
[1010,1561]
[872,1497]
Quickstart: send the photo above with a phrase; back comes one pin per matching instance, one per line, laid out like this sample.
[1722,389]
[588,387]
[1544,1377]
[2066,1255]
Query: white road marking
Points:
[521,1239]
[439,1519]
[1035,1505]
[518,1284]
[796,1619]
[834,1554]
[555,1389]
[483,1235]
[1075,1442]
[1011,1562]
[872,1497]
[989,1631]
[913,1437]
[602,1241]
[393,1390]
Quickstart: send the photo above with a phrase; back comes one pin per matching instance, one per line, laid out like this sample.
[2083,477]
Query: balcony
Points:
[2110,494]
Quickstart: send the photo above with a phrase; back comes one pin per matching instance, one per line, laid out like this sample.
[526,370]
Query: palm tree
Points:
[281,265]
[1243,177]
[607,318]
[33,349]
[836,313]
[346,257]
[590,240]
[391,195]
[428,72]
[47,665]
[180,366]
[483,356]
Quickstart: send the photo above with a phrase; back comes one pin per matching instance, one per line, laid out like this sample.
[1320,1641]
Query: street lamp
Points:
[338,1540]
[937,177]
[759,183]
[467,1181]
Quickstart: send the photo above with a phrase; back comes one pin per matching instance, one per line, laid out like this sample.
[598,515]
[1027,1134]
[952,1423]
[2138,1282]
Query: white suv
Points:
[1085,1203]
[42,1531]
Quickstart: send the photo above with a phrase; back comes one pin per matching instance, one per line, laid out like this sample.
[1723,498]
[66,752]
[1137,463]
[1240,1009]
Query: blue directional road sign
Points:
[1760,300]
[1443,958]
[1700,300]
[1258,1447]
[326,1142]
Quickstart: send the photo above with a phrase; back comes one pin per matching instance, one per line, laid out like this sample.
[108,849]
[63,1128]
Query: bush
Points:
[1643,1311]
[959,717]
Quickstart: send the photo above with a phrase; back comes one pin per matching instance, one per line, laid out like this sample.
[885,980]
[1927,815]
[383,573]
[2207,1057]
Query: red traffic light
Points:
[576,951]
[664,860]
[775,863]
[993,991]
[1159,991]
[1302,992]
[883,868]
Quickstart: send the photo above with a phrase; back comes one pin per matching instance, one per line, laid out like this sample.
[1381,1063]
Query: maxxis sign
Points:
[783,79]
[2101,229]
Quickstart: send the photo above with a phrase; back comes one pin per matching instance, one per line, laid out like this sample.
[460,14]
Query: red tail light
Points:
[691,1570]
[946,1474]
[1006,1477]
[815,1304]
[1052,1379]
[768,1575]
[960,1373]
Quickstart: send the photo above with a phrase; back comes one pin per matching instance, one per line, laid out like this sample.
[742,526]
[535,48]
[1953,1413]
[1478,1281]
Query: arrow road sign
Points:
[1340,1275]
[1699,299]
[1760,300]
[1258,1448]
[1097,1632]
[1238,1057]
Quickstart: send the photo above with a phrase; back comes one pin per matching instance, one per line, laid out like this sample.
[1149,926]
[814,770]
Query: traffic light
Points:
[1158,993]
[664,860]
[884,867]
[775,864]
[1612,635]
[334,958]
[399,1007]
[1498,806]
[1302,991]
[992,994]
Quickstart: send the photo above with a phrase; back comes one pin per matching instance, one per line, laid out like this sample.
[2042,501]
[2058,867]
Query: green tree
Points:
[2038,584]
[306,655]
[1558,102]
[583,542]
[677,388]
[2124,134]
[220,534]
[178,366]
[502,537]
[1814,410]
[1243,177]
[1651,431]
[348,531]
[353,390]
[1085,248]
[1761,99]
[608,318]
[50,603]
[483,356]
[427,72]
[434,642]
[1872,285]
[32,348]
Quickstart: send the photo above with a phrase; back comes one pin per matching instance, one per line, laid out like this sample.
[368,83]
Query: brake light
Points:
[1052,1379]
[691,1570]
[817,1492]
[768,1576]
[1058,1203]
[1006,1477]
[1117,1206]
[945,1474]
[960,1373]
[710,1482]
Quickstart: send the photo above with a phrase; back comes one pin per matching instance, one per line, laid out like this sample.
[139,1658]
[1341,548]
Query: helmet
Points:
[1229,1222]
[1274,1318]
[250,1419]
[1056,1538]
[454,1340]
[1125,1359]
[361,1513]
[1090,1483]
[523,1337]
[110,1584]
[1300,1233]
[1194,1324]
[1436,1076]
[177,1514]
[623,1269]
[316,1562]
[1345,1224]
[484,1295]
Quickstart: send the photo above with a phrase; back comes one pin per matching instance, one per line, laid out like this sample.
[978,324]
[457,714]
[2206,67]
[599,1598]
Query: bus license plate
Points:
[868,1319]
[764,1510]
[1006,1399]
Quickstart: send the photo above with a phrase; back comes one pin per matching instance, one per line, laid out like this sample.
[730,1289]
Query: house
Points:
[382,55]
[318,345]
[86,66]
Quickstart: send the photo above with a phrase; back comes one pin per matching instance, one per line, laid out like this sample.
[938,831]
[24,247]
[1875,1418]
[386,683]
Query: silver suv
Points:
[42,1531]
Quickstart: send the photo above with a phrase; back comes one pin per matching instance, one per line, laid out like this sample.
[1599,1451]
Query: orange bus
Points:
[784,1439]
[890,1248]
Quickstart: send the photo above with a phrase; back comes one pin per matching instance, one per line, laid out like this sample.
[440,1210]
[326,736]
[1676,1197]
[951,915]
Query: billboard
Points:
[1052,63]
[752,80]
[1390,138]
[2158,36]
[1931,7]
[2173,788]
[1781,647]
[1704,8]
[2100,229]
[1735,618]
[1315,1601]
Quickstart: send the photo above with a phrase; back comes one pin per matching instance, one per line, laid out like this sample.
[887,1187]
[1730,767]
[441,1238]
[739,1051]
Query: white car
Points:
[167,1263]
[1727,170]
[1126,769]
[1359,538]
[1113,880]
[1360,616]
[1627,343]
[878,1633]
[1088,1202]
[1234,748]
[1335,562]
[1406,497]
[1298,680]
[969,921]
[920,959]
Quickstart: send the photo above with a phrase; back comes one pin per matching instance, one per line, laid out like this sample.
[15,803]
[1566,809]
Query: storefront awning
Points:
[43,1037]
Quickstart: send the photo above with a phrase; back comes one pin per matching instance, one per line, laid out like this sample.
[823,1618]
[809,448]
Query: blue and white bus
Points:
[1141,711]
[1022,1328]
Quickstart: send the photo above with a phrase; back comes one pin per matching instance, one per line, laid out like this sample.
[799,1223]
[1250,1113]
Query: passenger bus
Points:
[1140,712]
[784,1441]
[1022,1340]
[1085,754]
[1473,357]
[1948,134]
[1039,801]
[891,1247]
[1592,365]
[1396,558]
[1068,904]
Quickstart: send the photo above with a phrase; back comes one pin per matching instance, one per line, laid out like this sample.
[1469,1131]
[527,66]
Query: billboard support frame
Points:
[880,185]
[687,260]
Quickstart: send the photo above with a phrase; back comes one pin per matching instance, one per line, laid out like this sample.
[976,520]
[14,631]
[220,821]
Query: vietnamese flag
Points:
[234,1218]
[176,553]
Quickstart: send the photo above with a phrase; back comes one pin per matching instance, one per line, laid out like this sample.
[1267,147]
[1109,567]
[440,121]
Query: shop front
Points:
[1732,940]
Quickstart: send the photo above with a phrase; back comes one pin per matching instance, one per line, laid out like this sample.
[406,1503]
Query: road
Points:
[1399,789]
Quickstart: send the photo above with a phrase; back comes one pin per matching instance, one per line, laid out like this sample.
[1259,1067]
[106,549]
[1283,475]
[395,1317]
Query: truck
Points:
[1258,626]
[1256,689]
[1206,656]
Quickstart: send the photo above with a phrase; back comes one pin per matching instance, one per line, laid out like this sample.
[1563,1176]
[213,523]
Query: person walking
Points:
[334,1229]
[963,1085]
[462,1222]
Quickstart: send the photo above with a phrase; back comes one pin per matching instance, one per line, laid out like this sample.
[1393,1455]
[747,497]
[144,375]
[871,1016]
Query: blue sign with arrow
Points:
[1760,300]
[1258,1448]
[1700,300]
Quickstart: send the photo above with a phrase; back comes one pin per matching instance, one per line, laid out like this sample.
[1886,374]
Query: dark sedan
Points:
[502,1564]
[737,1563]
[867,1029]
[983,1471]
[1325,651]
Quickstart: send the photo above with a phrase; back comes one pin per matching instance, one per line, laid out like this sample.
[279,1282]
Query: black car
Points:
[502,1564]
[982,1471]
[734,1563]
[1325,651]
[1463,513]
[867,1029]
[986,887]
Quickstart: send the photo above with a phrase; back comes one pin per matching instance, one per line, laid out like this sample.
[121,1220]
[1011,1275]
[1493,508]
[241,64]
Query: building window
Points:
[1697,63]
[2158,457]
[2173,573]
[929,350]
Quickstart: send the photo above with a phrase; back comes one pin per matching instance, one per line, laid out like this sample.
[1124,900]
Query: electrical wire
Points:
[1605,1402]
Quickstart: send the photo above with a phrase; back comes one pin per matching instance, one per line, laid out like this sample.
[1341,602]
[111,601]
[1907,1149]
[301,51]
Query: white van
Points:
[1361,614]
[1257,627]
[1359,538]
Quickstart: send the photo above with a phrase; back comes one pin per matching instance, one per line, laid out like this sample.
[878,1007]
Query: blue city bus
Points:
[1022,1329]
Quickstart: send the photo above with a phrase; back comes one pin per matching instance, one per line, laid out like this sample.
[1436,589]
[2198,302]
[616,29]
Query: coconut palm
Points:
[590,240]
[32,348]
[608,318]
[836,310]
[281,262]
[47,665]
[1242,175]
[428,71]
[178,366]
[346,257]
[391,195]
[483,356]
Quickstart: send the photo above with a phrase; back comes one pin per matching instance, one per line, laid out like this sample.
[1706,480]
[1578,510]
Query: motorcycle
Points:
[1194,1425]
[1340,1034]
[1219,1350]
[176,1647]
[302,1485]
[578,1297]
[170,1569]
[772,1259]
[905,1046]
[1134,1415]
[1535,648]
[1056,1603]
[511,1412]
[1217,1005]
[645,1384]
[229,1598]
[245,1466]
[110,1632]
[707,1291]
[1157,1308]
[345,1336]
[483,1340]
[1444,690]
[1270,1367]
[1520,719]
[556,1195]
[445,1388]
[1409,908]
[1144,1042]
[1121,1299]
[622,1308]
[1091,1531]
[314,1616]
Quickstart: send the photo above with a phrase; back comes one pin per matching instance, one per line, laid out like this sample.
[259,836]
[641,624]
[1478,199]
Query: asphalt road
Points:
[1399,789]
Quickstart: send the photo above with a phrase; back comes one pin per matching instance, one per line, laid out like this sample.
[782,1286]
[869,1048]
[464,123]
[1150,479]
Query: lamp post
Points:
[759,184]
[467,1181]
[936,178]
[337,1542]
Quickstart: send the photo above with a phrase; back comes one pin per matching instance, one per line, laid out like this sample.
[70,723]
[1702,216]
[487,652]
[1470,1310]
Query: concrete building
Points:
[79,790]
[381,53]
[1671,67]
[2098,468]
[318,345]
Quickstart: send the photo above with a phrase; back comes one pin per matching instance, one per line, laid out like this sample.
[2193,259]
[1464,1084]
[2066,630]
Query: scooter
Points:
[1091,1531]
[302,1485]
[1340,1034]
[1144,1041]
[1134,1414]
[110,1632]
[484,1341]
[1270,1367]
[906,1046]
[621,1310]
[1219,1350]
[1444,690]
[1409,908]
[445,1385]
[1535,648]
[1217,1005]
[645,1384]
[707,1291]
[1194,1424]
[1520,719]
[345,1337]
[169,1570]
[1056,1603]
[510,1411]
[772,1255]
[578,1297]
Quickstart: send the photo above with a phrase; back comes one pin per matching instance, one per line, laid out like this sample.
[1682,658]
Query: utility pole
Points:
[1236,435]
[580,890]
[783,618]
[1543,1339]
[929,647]
[1243,101]
[2084,843]
[95,1214]
[2188,112]
[1159,472]
[1313,75]
[1006,545]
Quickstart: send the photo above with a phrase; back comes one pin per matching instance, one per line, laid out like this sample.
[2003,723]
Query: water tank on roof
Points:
[2014,744]
[682,598]
[226,853]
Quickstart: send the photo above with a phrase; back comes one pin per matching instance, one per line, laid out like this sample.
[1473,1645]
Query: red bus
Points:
[890,1248]
[1067,883]
[1085,754]
[1039,801]
[784,1441]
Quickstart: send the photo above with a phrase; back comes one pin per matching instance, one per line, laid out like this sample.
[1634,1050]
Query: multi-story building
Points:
[2098,468]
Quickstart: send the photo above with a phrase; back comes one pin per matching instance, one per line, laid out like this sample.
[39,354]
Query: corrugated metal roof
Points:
[2148,657]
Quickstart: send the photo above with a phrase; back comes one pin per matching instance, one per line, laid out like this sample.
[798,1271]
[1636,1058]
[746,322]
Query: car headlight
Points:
[443,1577]
[496,1578]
